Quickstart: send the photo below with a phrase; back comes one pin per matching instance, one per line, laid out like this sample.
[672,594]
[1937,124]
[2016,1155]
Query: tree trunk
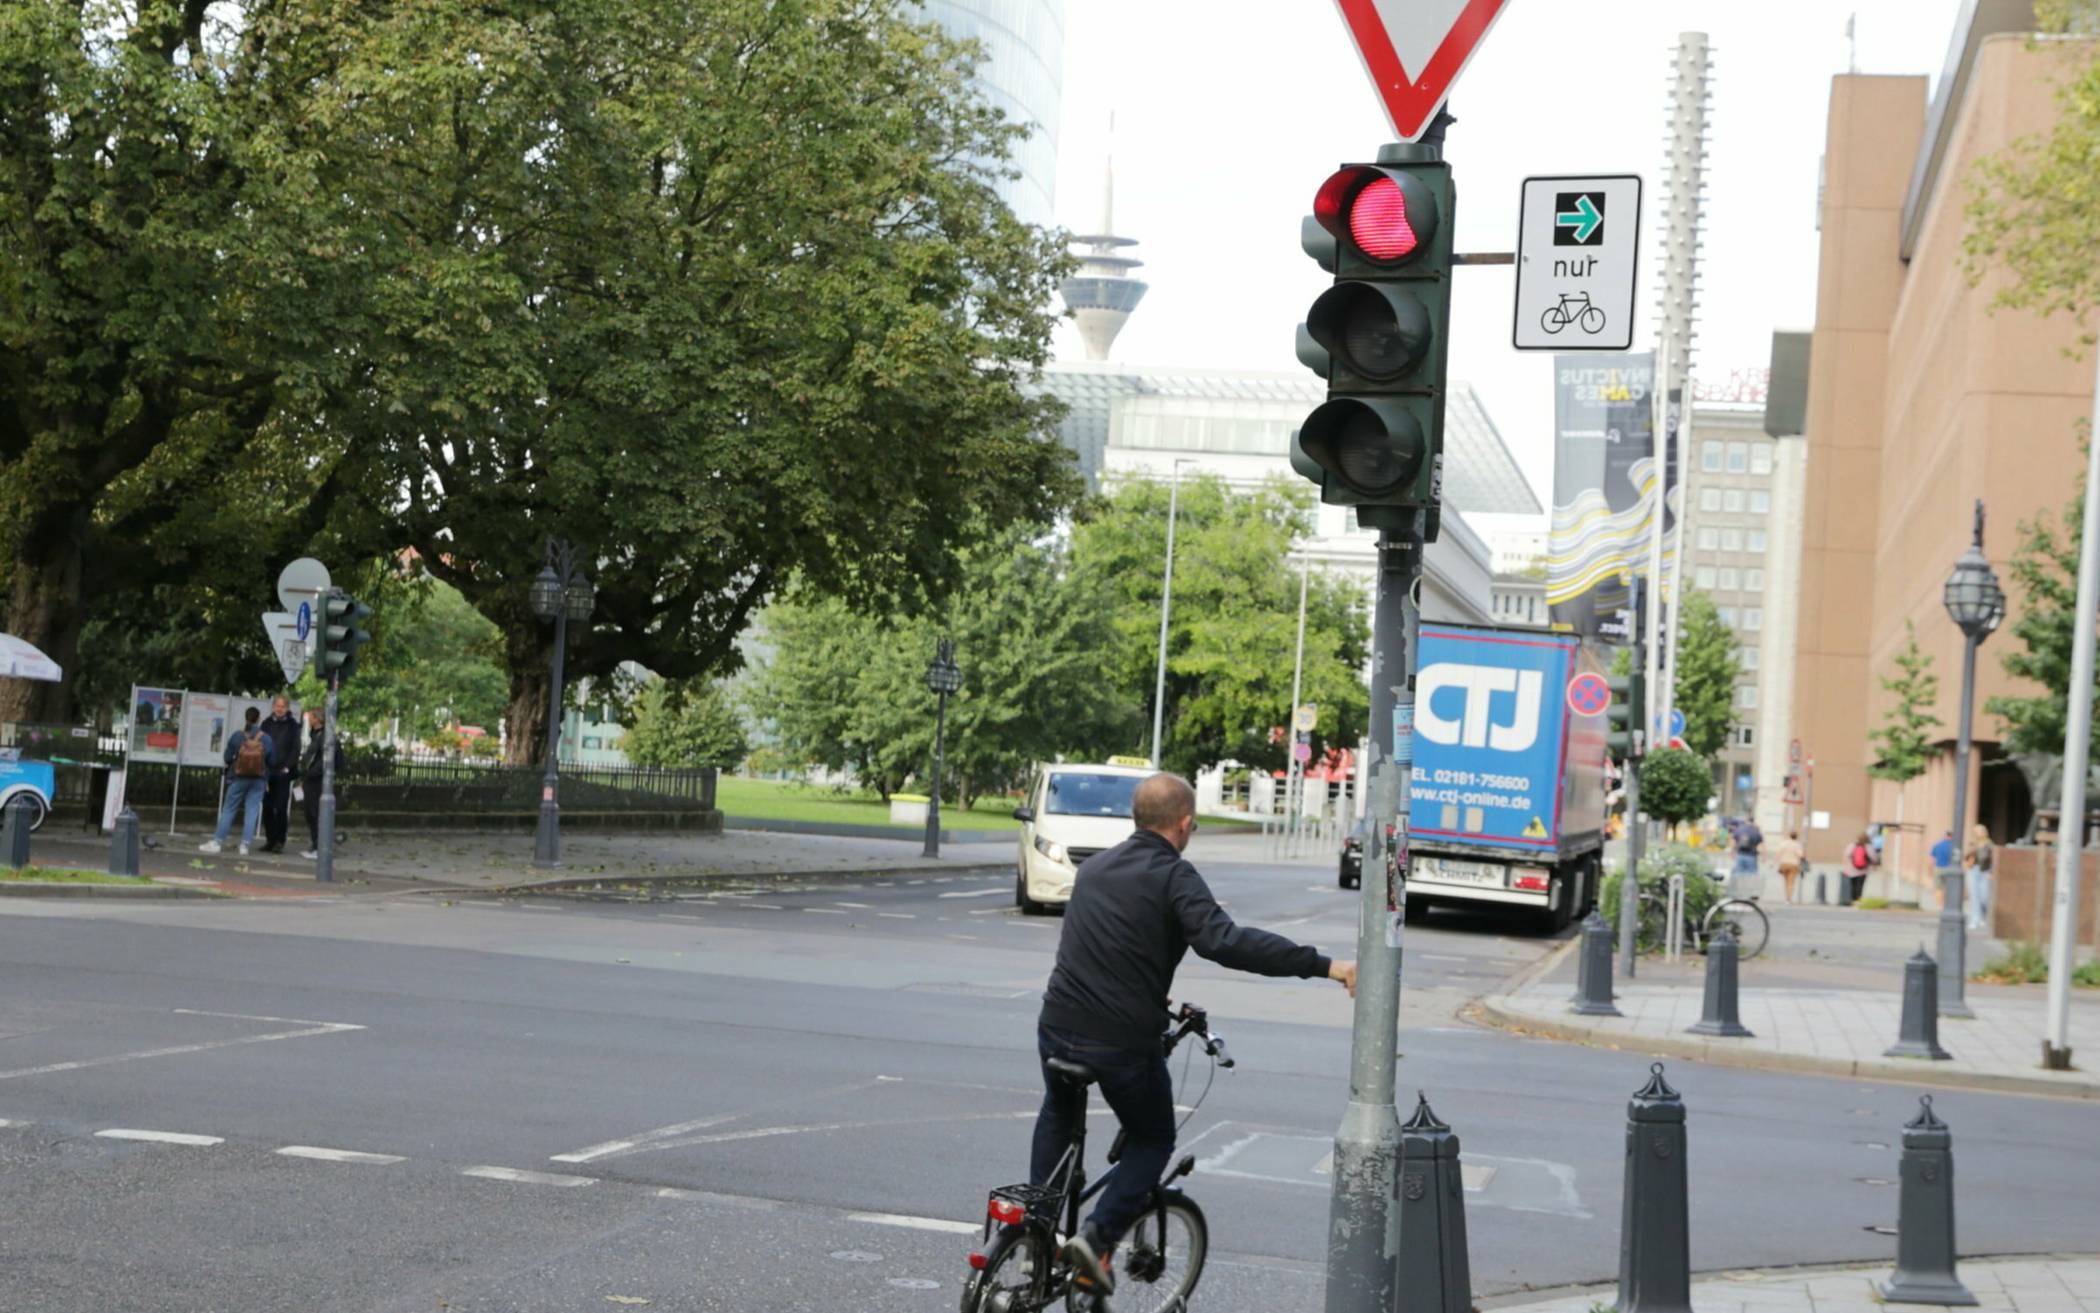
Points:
[525,719]
[43,609]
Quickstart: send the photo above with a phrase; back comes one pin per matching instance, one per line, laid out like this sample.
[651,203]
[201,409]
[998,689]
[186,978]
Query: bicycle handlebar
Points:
[1193,1020]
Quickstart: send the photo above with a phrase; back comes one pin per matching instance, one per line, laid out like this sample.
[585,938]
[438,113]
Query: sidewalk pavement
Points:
[2044,1284]
[1826,996]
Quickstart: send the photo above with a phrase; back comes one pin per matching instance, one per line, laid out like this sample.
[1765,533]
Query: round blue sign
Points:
[1676,723]
[306,620]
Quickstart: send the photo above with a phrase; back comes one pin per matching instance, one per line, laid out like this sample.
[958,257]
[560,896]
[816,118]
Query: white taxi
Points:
[1071,811]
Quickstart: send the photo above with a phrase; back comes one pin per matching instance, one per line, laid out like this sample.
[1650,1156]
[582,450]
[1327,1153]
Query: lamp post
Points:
[560,593]
[1166,604]
[943,677]
[1976,604]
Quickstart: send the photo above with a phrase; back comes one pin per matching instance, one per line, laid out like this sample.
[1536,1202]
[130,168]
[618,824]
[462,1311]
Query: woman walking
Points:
[1788,854]
[1856,863]
[1979,881]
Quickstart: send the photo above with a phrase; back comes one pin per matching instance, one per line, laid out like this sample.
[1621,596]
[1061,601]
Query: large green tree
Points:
[1232,627]
[1707,670]
[686,725]
[845,689]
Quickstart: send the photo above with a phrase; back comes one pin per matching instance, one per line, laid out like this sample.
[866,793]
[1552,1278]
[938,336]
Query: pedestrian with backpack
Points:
[249,757]
[1856,863]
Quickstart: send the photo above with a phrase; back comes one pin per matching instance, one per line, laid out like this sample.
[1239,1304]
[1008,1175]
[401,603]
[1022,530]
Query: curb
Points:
[1484,1012]
[612,882]
[1516,1300]
[117,891]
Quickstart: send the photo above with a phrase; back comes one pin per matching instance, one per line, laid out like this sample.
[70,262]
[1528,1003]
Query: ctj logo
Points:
[1477,725]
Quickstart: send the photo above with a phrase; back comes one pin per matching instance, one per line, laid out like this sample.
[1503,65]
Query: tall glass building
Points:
[1023,74]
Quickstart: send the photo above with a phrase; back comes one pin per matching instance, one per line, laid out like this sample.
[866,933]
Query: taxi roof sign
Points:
[1129,761]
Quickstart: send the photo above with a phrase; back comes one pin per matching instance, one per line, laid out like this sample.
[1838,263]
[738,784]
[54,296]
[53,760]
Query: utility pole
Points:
[1293,772]
[1166,606]
[2078,731]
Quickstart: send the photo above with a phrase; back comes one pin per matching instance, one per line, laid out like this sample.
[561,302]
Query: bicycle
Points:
[1573,307]
[1744,918]
[1023,1269]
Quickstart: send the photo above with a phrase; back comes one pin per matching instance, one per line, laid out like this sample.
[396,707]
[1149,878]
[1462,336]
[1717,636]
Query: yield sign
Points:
[1415,49]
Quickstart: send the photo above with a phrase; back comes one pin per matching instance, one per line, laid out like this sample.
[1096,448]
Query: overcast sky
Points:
[1229,114]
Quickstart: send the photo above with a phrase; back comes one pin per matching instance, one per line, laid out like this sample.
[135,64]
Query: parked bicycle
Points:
[1572,308]
[1741,916]
[1023,1268]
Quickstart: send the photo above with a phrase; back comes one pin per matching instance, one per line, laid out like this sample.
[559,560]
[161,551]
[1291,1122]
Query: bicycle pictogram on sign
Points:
[1573,308]
[1589,694]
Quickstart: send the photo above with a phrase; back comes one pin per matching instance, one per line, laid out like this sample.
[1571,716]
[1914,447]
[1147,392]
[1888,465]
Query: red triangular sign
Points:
[1414,51]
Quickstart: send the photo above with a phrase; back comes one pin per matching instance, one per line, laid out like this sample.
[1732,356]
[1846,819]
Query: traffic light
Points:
[1625,713]
[1379,336]
[339,635]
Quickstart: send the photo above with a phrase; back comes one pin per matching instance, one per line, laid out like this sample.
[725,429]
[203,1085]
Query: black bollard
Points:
[1721,1016]
[1820,899]
[1953,946]
[1925,1217]
[15,820]
[1593,974]
[1919,1036]
[124,844]
[1844,879]
[1433,1273]
[1655,1247]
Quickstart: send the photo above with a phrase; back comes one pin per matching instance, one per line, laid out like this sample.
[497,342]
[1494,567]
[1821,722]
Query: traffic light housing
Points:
[339,635]
[1379,336]
[1622,742]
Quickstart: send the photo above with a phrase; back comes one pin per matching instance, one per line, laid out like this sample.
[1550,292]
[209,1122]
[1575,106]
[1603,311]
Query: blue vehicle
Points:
[1508,799]
[35,780]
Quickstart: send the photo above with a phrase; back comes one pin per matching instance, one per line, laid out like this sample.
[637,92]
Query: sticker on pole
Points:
[1578,245]
[1589,694]
[1414,51]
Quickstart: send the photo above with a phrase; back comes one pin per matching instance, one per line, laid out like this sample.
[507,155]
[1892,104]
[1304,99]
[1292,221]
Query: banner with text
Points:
[1604,486]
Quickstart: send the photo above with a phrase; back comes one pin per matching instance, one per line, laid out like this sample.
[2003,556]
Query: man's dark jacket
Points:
[310,767]
[284,743]
[1136,909]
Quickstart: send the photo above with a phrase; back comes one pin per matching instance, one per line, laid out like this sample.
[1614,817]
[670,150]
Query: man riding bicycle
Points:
[1136,909]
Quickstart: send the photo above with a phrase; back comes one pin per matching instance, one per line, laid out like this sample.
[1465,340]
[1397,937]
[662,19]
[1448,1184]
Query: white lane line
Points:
[764,907]
[679,916]
[611,1147]
[529,1178]
[319,1154]
[900,916]
[311,1028]
[161,1137]
[987,911]
[972,938]
[940,1224]
[862,906]
[973,893]
[7,1122]
[826,911]
[915,882]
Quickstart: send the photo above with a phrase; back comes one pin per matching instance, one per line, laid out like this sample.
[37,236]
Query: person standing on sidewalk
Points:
[1943,853]
[1788,852]
[283,729]
[311,781]
[1857,861]
[1979,882]
[1748,839]
[248,762]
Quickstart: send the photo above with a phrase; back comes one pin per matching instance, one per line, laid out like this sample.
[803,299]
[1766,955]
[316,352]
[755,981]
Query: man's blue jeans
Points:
[241,793]
[1140,1092]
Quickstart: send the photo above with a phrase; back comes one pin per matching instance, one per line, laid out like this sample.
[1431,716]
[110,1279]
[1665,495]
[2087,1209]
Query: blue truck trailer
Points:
[1508,798]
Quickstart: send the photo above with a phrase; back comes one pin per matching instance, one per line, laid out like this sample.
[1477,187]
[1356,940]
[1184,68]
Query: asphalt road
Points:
[793,1096]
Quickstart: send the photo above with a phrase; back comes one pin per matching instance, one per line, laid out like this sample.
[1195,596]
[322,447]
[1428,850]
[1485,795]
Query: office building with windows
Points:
[1023,74]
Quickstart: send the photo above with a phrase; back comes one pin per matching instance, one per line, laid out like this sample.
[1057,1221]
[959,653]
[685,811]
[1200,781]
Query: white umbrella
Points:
[19,660]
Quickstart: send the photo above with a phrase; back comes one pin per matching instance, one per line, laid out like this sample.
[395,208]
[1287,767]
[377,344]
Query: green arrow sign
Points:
[1585,218]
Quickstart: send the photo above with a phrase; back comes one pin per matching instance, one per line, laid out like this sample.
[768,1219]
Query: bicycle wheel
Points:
[1016,1275]
[1650,918]
[1554,319]
[1157,1264]
[1593,320]
[1746,920]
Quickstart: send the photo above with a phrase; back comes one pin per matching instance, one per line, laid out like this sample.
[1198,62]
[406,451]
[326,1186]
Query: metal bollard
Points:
[1593,971]
[1820,899]
[18,815]
[1919,1036]
[1720,1015]
[1844,879]
[1953,946]
[1655,1248]
[124,844]
[1432,1273]
[1925,1217]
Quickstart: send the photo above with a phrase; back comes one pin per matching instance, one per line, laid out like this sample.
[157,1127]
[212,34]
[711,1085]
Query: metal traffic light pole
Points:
[1630,882]
[324,863]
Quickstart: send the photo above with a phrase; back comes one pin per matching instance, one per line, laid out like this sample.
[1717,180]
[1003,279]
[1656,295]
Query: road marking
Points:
[940,1224]
[973,893]
[611,1147]
[161,1137]
[173,1050]
[862,906]
[764,907]
[826,911]
[339,1155]
[915,882]
[900,916]
[972,938]
[529,1178]
[986,911]
[1442,957]
[679,916]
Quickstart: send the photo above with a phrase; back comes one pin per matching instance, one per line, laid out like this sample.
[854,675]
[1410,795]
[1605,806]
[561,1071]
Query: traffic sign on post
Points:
[1676,722]
[288,639]
[1414,51]
[1578,242]
[304,580]
[1307,717]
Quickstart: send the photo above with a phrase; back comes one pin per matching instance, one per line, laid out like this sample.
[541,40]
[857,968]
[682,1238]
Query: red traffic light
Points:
[1386,215]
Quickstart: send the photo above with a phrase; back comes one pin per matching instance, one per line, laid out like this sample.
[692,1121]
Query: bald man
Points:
[1136,909]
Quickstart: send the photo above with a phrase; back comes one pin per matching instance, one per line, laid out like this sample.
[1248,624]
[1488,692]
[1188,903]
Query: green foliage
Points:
[1232,630]
[2044,588]
[685,725]
[845,689]
[433,662]
[1701,891]
[1707,669]
[1905,736]
[2021,963]
[2087,975]
[1676,785]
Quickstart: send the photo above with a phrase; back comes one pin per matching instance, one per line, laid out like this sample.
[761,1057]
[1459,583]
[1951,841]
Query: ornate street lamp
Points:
[1976,603]
[943,677]
[561,594]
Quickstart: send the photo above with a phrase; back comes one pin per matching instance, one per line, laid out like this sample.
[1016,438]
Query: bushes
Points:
[2023,963]
[1701,891]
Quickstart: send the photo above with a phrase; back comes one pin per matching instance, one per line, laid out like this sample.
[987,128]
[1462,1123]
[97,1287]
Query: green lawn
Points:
[774,800]
[60,875]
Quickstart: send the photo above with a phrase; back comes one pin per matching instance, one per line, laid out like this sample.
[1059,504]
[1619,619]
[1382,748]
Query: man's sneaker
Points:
[311,856]
[209,846]
[244,850]
[1090,1271]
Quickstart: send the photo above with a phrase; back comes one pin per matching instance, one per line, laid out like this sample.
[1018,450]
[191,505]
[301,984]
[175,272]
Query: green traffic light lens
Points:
[1377,332]
[1371,458]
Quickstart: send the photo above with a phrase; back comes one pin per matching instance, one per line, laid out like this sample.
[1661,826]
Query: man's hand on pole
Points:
[1345,972]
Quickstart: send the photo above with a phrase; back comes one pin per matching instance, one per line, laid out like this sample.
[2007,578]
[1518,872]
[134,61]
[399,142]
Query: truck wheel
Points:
[1563,895]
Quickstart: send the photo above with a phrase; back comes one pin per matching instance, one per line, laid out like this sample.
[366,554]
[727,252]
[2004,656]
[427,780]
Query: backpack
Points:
[249,760]
[1859,857]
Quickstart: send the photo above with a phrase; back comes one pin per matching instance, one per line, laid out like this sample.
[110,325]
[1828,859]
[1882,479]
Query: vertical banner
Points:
[204,729]
[1603,486]
[156,724]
